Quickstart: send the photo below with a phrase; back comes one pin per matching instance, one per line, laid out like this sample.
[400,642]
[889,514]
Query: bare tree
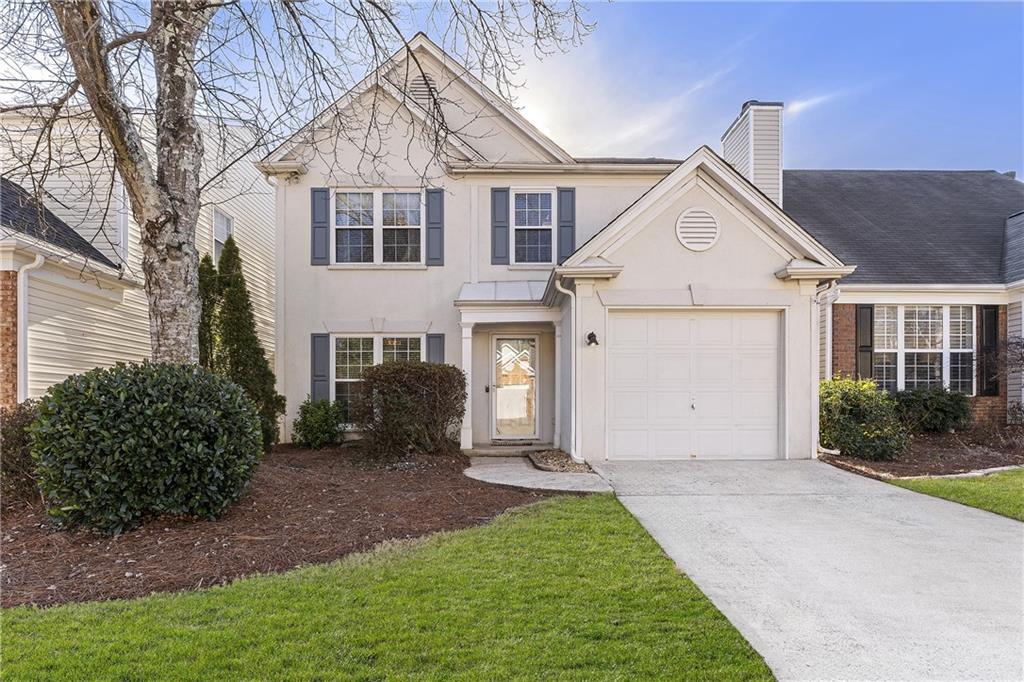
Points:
[153,79]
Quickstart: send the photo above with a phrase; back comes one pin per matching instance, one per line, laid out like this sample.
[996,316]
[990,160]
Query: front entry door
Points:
[514,388]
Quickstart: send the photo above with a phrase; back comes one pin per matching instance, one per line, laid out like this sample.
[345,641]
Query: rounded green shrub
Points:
[861,421]
[404,407]
[318,424]
[115,446]
[935,410]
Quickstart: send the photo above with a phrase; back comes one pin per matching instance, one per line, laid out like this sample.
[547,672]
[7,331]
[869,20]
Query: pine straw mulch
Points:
[304,507]
[940,454]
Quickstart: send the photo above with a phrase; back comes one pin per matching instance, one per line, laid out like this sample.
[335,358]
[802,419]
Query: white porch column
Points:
[466,435]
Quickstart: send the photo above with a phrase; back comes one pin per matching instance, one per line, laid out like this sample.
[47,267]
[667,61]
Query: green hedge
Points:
[861,421]
[409,406]
[934,410]
[115,446]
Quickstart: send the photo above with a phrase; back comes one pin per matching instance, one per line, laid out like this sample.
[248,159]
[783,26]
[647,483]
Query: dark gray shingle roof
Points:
[909,227]
[19,212]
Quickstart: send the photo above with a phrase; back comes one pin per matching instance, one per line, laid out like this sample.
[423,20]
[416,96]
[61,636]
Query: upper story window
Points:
[532,219]
[223,226]
[378,227]
[919,346]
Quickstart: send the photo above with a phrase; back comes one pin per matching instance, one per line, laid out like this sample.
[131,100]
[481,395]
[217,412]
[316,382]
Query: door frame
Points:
[493,425]
[782,429]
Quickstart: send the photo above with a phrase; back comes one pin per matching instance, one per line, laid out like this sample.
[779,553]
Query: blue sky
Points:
[867,85]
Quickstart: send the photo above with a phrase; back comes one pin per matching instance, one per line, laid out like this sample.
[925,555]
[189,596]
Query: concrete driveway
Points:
[830,575]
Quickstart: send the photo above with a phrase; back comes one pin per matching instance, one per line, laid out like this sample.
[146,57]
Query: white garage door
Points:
[693,385]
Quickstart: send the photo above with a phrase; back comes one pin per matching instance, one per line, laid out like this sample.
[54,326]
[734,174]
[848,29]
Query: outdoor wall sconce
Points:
[592,339]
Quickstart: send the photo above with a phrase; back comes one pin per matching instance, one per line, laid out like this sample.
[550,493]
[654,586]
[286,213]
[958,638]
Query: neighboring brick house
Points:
[938,277]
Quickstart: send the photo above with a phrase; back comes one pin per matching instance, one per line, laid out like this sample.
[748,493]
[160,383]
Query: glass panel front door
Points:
[515,387]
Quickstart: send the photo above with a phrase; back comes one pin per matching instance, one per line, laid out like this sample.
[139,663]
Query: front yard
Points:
[1001,493]
[570,587]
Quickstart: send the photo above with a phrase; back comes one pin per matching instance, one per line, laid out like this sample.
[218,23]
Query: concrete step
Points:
[491,450]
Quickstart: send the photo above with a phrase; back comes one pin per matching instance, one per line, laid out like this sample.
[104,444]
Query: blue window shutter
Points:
[499,225]
[435,348]
[566,222]
[320,367]
[320,236]
[435,227]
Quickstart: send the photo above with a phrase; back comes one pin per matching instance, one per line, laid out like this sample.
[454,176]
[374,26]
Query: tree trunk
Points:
[165,202]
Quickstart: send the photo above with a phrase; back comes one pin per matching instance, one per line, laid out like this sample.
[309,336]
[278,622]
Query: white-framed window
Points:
[533,219]
[223,227]
[378,227]
[917,346]
[353,353]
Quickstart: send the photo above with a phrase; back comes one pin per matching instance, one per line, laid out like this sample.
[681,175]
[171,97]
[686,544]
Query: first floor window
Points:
[923,346]
[353,354]
[353,220]
[532,221]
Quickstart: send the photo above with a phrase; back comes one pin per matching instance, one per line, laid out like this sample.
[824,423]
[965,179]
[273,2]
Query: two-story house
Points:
[616,308]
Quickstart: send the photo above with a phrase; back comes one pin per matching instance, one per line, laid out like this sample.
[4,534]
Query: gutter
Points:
[23,324]
[574,438]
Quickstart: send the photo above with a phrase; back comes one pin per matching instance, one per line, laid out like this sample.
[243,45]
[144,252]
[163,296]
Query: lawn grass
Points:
[571,588]
[1002,493]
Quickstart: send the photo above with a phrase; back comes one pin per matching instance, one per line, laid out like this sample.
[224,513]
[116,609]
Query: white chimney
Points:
[753,145]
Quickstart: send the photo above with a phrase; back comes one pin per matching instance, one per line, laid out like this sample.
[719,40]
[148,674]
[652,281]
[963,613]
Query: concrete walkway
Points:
[830,575]
[520,472]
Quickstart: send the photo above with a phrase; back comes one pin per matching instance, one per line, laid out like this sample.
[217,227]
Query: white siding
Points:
[823,340]
[736,145]
[767,152]
[73,326]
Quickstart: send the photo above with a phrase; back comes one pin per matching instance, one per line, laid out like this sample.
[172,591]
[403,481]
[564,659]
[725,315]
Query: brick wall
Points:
[990,409]
[844,339]
[8,337]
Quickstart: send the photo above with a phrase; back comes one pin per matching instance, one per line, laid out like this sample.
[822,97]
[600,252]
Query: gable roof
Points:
[908,227]
[802,245]
[21,213]
[421,43]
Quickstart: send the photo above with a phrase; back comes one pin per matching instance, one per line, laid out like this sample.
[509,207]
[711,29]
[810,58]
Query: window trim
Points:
[901,350]
[378,228]
[512,227]
[378,351]
[213,231]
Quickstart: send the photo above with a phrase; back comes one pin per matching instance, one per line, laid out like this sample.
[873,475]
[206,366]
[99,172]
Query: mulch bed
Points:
[304,507]
[558,460]
[941,454]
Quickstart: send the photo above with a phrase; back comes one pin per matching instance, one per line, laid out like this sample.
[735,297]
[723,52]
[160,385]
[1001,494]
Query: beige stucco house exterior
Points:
[615,308]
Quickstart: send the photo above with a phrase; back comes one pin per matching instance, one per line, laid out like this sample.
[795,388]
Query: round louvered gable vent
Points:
[697,229]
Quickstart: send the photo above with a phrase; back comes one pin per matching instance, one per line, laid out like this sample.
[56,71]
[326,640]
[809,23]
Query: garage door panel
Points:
[693,384]
[627,368]
[625,406]
[672,406]
[629,331]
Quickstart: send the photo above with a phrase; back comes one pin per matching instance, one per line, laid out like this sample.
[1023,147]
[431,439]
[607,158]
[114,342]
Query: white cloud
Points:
[798,106]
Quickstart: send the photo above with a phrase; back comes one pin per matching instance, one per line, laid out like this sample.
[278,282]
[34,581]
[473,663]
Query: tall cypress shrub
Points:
[239,355]
[209,299]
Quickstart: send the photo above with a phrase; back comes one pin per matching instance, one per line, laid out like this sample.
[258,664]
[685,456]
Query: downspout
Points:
[824,296]
[574,445]
[23,324]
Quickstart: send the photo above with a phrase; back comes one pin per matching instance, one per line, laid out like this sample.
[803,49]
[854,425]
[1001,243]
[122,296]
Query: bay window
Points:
[921,346]
[378,227]
[532,231]
[353,354]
